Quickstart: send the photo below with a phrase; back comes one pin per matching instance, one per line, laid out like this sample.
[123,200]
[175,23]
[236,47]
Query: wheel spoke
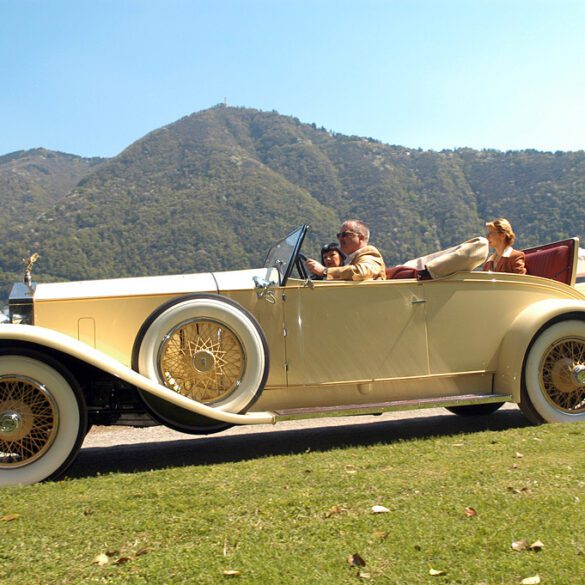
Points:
[556,375]
[203,360]
[29,421]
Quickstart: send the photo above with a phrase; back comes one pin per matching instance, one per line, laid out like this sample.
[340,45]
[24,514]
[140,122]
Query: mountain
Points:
[31,181]
[213,190]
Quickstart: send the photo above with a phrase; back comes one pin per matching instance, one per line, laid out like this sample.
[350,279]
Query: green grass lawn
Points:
[299,518]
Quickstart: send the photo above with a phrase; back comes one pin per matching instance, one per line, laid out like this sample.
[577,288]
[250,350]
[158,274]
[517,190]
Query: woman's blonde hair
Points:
[503,226]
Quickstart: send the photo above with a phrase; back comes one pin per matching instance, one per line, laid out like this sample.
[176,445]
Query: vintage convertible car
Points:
[202,352]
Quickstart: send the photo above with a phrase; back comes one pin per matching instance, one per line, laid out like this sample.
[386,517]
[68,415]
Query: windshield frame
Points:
[283,254]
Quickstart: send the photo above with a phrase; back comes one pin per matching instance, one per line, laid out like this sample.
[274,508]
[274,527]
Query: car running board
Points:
[380,407]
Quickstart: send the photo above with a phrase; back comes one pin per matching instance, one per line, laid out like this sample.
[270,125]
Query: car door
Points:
[342,332]
[468,315]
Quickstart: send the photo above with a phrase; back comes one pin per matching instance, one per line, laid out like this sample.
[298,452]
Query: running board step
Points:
[380,407]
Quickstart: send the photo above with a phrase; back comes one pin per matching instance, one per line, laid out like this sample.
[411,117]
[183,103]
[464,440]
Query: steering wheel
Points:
[301,264]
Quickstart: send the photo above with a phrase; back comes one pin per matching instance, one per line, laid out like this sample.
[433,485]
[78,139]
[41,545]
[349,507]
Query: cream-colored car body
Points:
[341,343]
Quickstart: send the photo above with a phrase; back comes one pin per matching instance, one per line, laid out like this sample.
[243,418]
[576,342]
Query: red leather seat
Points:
[554,261]
[401,272]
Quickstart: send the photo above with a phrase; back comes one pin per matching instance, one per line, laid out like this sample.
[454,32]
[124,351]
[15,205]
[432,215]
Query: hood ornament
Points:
[28,262]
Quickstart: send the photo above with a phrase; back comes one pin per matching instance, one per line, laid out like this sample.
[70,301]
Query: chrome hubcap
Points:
[10,422]
[578,375]
[203,361]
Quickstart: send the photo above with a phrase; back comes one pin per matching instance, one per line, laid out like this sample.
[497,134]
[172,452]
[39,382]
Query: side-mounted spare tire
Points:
[553,385]
[205,347]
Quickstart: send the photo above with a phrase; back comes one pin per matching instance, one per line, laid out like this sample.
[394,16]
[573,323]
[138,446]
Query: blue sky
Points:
[90,77]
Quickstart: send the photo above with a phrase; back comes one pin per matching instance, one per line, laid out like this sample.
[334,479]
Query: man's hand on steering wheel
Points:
[315,267]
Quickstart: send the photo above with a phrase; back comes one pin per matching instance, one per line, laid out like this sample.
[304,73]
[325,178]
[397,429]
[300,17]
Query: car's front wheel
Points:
[554,375]
[42,419]
[207,348]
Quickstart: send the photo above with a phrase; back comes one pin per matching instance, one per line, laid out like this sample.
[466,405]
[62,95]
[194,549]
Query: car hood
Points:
[216,282]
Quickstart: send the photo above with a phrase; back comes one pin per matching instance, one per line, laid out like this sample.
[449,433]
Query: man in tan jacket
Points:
[363,262]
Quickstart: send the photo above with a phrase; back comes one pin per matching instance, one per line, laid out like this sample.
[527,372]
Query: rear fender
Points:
[43,337]
[522,332]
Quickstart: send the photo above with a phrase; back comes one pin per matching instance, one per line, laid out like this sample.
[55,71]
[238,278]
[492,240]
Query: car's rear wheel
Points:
[476,409]
[554,375]
[42,419]
[206,348]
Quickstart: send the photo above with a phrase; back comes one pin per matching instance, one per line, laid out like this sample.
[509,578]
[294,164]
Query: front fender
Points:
[508,379]
[44,337]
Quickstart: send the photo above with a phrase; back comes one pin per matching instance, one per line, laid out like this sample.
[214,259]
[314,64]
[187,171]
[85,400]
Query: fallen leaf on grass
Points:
[10,517]
[231,573]
[436,572]
[531,580]
[522,490]
[355,560]
[143,551]
[363,575]
[122,560]
[379,510]
[100,560]
[334,510]
[379,534]
[520,545]
[470,512]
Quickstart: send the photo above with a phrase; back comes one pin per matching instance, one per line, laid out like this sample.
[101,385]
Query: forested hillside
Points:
[213,190]
[32,181]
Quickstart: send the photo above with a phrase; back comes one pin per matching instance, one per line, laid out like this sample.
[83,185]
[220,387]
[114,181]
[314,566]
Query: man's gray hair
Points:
[361,227]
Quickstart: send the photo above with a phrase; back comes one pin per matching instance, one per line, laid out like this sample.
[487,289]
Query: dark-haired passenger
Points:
[332,256]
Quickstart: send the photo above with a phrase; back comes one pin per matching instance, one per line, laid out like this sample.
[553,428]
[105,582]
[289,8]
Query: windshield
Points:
[283,254]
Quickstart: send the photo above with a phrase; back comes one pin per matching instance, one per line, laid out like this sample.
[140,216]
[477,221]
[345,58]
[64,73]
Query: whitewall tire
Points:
[42,420]
[554,375]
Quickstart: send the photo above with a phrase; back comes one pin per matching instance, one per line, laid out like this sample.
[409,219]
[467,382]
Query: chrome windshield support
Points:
[264,289]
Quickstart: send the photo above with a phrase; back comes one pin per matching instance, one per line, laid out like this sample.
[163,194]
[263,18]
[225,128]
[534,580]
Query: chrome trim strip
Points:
[399,379]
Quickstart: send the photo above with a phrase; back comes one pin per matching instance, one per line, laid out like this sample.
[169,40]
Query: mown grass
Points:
[297,518]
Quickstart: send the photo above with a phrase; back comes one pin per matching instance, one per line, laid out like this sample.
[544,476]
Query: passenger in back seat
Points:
[505,259]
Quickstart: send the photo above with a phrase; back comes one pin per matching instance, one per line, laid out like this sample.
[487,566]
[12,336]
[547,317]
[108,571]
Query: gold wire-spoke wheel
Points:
[28,421]
[203,360]
[562,374]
